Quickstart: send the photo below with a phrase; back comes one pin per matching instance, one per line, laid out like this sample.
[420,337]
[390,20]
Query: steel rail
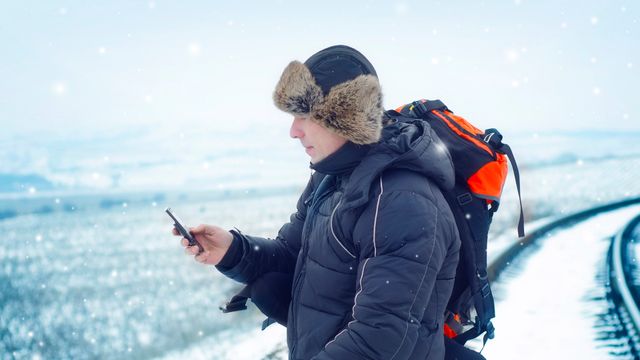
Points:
[509,254]
[623,294]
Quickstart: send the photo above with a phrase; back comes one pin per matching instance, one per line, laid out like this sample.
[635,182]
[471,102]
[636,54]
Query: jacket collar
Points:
[343,160]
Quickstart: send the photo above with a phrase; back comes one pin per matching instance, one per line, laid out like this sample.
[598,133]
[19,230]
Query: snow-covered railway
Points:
[624,282]
[553,288]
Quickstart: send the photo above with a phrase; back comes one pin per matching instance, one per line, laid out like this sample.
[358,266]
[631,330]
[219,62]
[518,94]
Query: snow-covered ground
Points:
[113,283]
[551,301]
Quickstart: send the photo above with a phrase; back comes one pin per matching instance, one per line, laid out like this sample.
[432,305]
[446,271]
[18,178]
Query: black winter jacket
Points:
[373,254]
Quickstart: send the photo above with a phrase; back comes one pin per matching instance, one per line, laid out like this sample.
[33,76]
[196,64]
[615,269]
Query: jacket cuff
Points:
[234,253]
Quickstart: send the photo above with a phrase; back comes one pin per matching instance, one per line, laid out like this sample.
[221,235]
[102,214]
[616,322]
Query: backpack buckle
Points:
[485,290]
[419,108]
[464,199]
[490,332]
[493,138]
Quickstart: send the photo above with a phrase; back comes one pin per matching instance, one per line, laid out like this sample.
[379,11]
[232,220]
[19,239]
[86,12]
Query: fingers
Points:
[174,231]
[199,255]
[192,250]
[202,257]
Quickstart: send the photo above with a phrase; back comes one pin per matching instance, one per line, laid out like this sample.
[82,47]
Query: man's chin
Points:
[314,159]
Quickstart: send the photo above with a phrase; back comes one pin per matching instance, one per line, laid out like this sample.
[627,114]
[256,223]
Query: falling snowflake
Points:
[194,49]
[59,88]
[512,55]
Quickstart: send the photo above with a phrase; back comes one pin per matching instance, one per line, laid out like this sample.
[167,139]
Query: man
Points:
[372,250]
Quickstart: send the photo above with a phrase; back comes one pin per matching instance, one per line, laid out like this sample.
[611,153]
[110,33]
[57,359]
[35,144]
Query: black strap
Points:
[238,301]
[421,108]
[494,139]
[507,151]
[474,332]
[485,311]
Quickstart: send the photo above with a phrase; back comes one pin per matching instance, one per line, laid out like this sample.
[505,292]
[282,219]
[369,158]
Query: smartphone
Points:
[182,229]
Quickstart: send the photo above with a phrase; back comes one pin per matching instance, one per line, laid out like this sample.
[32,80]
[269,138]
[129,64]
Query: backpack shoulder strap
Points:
[417,109]
[423,107]
[494,139]
[507,151]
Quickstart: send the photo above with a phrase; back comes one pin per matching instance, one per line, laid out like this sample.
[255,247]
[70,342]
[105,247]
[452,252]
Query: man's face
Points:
[317,140]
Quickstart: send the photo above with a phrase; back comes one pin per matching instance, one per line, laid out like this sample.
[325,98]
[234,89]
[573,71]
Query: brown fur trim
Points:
[297,92]
[353,110]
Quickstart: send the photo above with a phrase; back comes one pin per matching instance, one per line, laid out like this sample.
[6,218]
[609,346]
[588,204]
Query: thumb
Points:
[200,229]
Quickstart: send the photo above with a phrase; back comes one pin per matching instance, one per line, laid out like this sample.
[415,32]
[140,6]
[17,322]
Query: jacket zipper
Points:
[305,239]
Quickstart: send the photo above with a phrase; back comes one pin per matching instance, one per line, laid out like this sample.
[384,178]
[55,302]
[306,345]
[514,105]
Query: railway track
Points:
[526,275]
[508,255]
[624,291]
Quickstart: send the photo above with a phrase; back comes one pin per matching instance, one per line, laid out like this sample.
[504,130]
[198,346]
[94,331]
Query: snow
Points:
[254,344]
[549,301]
[123,288]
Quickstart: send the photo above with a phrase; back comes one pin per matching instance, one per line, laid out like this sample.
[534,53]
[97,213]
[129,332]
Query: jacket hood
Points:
[409,144]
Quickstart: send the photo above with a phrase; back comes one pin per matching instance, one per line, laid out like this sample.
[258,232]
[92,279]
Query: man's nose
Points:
[296,128]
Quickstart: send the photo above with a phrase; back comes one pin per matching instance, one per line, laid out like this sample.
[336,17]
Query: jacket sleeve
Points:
[262,255]
[402,246]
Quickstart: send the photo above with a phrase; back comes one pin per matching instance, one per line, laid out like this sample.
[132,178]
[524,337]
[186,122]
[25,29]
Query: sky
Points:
[518,64]
[79,77]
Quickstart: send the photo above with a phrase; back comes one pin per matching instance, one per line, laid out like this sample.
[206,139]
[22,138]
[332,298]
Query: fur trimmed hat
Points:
[337,88]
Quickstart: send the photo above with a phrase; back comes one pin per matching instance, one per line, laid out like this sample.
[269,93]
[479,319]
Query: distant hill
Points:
[19,183]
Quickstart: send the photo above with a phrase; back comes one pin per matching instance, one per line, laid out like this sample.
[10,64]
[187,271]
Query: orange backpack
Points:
[480,162]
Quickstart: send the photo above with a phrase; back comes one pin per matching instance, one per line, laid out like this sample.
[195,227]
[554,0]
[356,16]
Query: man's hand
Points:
[215,242]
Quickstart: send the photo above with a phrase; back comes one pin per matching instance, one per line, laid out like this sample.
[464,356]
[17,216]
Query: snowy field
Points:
[115,283]
[97,276]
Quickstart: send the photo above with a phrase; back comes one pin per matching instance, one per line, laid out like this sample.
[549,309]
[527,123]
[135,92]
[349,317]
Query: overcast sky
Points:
[80,66]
